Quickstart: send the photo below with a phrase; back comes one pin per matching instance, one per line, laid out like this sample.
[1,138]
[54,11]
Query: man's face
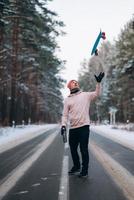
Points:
[74,84]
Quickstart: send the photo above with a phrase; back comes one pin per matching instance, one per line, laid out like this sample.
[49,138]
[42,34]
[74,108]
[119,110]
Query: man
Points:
[76,109]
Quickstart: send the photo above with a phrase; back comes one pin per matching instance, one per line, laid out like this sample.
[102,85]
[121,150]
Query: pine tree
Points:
[4,50]
[125,73]
[31,62]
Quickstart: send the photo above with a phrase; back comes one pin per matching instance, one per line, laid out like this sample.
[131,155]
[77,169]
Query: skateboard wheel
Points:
[103,35]
[96,52]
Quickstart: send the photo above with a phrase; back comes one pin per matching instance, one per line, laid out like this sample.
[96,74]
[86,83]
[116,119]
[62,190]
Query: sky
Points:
[83,20]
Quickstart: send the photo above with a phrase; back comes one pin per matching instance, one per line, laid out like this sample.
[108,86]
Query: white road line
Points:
[66,145]
[63,191]
[17,173]
[122,177]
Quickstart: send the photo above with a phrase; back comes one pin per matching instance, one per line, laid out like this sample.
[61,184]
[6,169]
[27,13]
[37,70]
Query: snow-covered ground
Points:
[10,137]
[121,136]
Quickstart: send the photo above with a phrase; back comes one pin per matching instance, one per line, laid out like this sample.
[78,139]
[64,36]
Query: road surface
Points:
[37,170]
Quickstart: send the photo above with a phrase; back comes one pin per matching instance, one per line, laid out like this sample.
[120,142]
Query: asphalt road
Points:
[47,175]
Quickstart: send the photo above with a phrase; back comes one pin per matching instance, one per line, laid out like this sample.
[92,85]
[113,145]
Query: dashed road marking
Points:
[35,185]
[21,192]
[63,191]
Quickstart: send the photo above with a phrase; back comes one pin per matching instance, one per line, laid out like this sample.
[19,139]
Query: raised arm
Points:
[96,93]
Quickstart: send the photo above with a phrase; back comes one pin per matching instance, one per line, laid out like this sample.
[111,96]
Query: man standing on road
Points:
[76,110]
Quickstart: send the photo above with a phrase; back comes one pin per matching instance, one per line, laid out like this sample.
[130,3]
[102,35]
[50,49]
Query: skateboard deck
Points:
[94,49]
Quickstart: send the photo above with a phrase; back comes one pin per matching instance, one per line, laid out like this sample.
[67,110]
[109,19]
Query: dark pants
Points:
[79,137]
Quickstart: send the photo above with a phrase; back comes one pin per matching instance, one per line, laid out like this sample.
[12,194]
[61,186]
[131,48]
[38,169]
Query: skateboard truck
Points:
[96,52]
[103,35]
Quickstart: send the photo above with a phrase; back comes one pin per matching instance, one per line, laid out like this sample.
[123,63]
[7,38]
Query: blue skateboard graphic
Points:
[94,49]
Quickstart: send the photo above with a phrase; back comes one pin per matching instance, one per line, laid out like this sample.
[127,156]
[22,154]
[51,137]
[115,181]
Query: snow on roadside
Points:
[126,138]
[11,137]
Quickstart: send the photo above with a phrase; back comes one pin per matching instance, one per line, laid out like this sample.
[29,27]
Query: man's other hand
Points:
[63,129]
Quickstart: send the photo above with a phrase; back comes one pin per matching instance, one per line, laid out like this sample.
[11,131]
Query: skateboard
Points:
[94,49]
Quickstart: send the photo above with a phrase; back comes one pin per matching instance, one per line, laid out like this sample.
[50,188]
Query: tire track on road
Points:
[9,182]
[122,177]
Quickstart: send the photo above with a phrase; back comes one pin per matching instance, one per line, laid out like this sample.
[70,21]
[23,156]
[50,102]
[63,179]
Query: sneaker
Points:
[83,174]
[74,170]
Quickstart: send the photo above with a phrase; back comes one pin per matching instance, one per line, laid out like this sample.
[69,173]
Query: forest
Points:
[29,68]
[117,61]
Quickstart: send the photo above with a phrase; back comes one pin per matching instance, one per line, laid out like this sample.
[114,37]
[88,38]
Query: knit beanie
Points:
[69,83]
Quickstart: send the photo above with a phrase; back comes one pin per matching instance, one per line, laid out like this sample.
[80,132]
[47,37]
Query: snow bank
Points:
[10,137]
[123,137]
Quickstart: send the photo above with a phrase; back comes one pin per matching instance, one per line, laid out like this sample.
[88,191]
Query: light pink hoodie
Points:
[76,108]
